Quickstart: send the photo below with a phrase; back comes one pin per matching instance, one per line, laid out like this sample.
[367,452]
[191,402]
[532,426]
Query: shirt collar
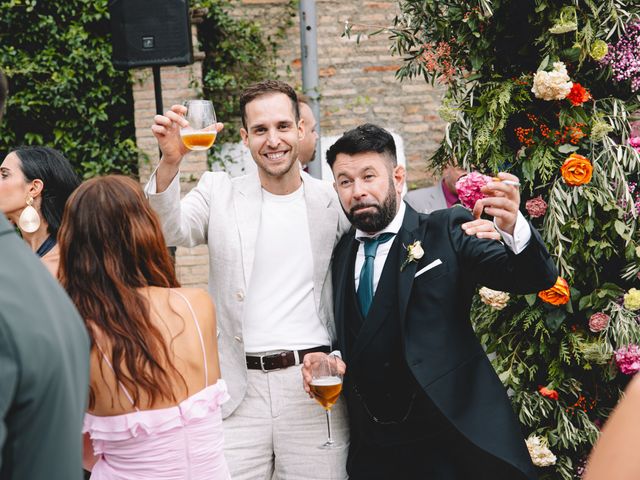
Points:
[393,227]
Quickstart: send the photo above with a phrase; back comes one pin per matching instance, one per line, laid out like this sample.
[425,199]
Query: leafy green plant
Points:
[64,90]
[530,90]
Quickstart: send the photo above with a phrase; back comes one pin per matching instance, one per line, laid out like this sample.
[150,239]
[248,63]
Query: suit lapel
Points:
[411,231]
[323,223]
[248,205]
[343,265]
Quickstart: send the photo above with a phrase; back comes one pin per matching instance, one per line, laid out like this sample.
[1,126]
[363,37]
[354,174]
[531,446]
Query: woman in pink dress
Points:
[155,387]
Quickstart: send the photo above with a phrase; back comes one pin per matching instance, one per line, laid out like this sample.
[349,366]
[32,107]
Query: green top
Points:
[44,369]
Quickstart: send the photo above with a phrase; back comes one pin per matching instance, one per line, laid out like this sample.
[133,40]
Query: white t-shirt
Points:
[280,311]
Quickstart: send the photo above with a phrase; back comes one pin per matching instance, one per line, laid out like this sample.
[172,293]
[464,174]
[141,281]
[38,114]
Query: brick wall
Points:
[357,80]
[357,85]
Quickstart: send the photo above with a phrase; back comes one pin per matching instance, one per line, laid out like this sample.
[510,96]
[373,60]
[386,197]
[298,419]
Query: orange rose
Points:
[576,170]
[558,294]
[549,393]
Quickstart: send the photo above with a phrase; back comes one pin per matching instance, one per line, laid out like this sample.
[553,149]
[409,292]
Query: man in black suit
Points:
[44,366]
[424,401]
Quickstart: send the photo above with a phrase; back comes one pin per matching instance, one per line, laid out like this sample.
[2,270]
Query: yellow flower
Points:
[632,299]
[599,50]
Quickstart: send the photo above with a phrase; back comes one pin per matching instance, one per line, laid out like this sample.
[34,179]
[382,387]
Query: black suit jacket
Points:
[440,347]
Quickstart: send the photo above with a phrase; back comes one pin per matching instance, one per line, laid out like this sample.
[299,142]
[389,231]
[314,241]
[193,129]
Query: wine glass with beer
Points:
[201,132]
[326,385]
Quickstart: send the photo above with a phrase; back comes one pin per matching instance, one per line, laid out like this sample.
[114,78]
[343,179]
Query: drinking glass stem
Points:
[329,439]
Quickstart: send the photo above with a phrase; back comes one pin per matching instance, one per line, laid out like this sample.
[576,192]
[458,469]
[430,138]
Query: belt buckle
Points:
[262,367]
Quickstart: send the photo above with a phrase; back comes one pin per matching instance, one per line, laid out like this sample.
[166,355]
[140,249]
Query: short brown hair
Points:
[264,88]
[302,98]
[3,92]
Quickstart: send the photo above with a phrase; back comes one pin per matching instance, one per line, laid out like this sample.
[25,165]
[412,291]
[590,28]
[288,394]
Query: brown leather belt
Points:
[281,360]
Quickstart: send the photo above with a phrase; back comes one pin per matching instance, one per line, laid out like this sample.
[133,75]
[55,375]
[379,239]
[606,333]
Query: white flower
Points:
[553,85]
[414,253]
[494,298]
[539,451]
[415,250]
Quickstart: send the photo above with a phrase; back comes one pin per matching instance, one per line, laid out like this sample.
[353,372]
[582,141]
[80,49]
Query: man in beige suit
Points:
[270,236]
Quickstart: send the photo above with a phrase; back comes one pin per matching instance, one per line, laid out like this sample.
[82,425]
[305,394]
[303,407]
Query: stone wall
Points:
[357,85]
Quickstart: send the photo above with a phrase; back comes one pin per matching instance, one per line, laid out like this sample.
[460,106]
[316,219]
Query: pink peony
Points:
[628,359]
[598,322]
[468,188]
[536,207]
[635,143]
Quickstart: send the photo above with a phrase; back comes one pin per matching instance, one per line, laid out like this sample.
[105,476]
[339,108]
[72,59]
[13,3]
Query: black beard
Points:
[379,219]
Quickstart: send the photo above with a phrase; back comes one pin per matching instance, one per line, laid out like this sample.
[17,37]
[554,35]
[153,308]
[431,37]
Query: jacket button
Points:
[238,338]
[240,295]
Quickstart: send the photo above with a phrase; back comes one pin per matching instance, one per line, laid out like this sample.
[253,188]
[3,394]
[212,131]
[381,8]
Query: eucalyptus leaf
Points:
[568,148]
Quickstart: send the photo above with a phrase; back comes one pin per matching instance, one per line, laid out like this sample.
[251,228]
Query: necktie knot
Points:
[371,244]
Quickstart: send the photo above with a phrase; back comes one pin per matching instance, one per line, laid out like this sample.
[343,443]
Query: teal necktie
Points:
[365,287]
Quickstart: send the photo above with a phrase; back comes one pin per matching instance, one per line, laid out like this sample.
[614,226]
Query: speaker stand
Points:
[157,88]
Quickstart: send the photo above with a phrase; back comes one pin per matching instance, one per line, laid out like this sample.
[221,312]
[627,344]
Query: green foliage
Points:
[486,53]
[64,91]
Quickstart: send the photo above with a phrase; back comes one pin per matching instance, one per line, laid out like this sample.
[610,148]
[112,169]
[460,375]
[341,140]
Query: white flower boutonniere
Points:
[414,253]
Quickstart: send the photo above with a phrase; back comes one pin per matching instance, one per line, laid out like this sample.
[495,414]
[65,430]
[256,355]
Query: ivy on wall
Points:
[64,90]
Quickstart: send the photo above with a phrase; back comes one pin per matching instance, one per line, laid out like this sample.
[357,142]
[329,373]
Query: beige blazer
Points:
[224,213]
[427,200]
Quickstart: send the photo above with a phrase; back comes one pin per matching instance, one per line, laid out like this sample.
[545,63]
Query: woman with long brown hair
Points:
[155,387]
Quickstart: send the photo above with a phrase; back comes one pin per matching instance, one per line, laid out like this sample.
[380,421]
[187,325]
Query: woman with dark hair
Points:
[35,183]
[155,387]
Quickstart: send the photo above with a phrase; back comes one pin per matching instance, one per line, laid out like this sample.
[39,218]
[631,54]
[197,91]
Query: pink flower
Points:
[468,188]
[598,322]
[536,207]
[635,143]
[628,359]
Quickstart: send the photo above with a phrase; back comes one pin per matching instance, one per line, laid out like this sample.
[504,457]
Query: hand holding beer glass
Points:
[201,132]
[326,385]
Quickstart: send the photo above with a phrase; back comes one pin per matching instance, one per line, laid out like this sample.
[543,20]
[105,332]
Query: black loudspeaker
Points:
[150,32]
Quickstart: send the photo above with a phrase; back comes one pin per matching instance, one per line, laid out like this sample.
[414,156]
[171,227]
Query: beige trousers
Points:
[277,429]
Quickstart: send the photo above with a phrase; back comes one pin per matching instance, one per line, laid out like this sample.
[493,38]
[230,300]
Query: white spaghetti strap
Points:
[204,350]
[124,390]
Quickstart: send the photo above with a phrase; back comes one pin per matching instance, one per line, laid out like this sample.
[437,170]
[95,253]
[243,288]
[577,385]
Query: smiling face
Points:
[369,187]
[273,135]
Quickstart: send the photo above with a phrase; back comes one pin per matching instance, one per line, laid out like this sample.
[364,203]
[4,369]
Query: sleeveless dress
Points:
[182,442]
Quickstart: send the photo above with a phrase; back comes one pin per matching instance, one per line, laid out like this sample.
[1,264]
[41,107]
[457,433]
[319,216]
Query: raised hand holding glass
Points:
[201,132]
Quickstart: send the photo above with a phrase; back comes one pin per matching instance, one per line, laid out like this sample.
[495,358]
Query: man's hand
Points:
[481,228]
[166,129]
[310,359]
[502,202]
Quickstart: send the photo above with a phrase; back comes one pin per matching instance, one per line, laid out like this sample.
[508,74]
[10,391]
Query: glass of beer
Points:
[326,385]
[201,133]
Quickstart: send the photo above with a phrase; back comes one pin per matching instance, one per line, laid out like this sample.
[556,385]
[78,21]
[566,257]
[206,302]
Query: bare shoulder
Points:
[199,300]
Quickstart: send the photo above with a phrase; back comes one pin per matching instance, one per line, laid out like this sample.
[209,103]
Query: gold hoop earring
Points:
[29,220]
